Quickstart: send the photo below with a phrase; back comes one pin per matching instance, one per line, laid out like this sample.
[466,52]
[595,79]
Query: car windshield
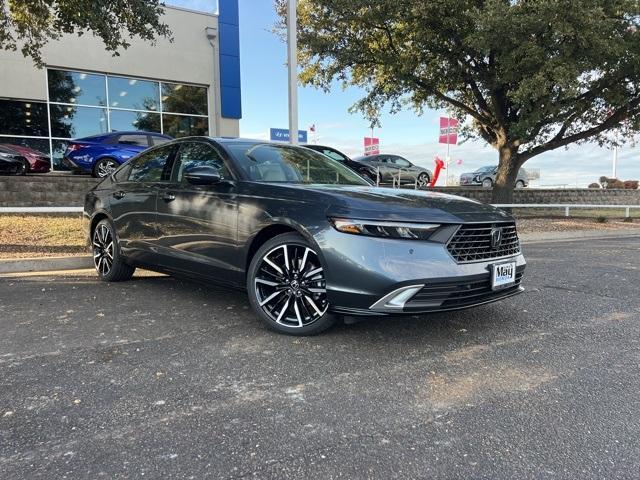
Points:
[266,162]
[485,169]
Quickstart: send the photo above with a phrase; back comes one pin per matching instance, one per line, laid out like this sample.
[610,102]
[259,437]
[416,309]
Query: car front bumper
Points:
[363,272]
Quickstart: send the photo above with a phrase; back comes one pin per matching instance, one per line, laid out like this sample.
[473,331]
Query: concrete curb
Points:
[22,265]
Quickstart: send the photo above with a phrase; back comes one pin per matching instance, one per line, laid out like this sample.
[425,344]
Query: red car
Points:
[34,161]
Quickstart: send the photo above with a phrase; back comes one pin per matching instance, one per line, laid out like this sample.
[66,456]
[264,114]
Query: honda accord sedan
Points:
[308,238]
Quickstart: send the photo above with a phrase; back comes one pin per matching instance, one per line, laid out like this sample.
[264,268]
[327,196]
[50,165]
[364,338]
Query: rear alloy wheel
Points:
[423,179]
[287,287]
[106,254]
[487,183]
[104,167]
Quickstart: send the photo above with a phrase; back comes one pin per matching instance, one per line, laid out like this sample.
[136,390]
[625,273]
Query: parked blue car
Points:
[100,155]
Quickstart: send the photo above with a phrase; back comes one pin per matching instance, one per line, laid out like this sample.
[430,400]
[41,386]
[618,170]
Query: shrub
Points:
[601,219]
[631,184]
[594,185]
[603,180]
[614,183]
[628,219]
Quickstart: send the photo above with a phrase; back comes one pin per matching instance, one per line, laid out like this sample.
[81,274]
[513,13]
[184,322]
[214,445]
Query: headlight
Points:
[409,231]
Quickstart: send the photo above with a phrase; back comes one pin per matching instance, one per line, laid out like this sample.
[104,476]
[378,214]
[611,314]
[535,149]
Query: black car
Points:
[365,170]
[12,164]
[304,235]
[396,170]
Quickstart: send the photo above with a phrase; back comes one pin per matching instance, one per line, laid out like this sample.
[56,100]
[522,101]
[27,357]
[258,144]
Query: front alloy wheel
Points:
[104,167]
[487,183]
[287,286]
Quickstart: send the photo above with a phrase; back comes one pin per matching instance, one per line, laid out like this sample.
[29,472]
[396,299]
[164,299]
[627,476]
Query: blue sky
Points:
[264,105]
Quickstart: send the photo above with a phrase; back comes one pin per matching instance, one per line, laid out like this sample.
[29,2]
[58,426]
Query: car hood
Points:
[374,203]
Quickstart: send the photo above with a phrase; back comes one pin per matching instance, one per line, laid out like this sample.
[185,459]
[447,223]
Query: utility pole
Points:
[292,61]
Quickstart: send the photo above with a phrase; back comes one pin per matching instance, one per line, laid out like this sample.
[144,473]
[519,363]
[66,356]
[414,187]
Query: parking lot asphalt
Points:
[162,378]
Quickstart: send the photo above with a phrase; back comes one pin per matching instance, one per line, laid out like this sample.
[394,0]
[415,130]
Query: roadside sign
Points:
[282,135]
[448,131]
[371,146]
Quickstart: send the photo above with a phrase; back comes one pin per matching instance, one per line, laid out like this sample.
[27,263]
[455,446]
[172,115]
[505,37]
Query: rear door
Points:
[197,224]
[133,202]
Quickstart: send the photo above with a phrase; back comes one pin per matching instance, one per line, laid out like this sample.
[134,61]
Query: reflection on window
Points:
[182,126]
[177,98]
[150,166]
[76,87]
[197,154]
[58,149]
[133,93]
[70,122]
[23,118]
[38,144]
[124,120]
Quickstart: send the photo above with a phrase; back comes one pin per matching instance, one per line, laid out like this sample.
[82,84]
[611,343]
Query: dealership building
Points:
[190,86]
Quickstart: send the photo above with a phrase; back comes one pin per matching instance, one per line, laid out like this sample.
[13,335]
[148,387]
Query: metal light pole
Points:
[292,61]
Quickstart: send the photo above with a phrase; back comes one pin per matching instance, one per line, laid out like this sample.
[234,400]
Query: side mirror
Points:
[203,175]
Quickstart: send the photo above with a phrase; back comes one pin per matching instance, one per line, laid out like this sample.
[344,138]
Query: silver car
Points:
[395,169]
[486,177]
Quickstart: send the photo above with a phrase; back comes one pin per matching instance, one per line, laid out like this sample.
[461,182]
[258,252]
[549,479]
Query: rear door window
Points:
[152,166]
[137,140]
[158,140]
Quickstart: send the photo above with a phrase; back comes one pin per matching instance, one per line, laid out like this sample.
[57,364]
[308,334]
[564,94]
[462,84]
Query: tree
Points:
[529,76]
[30,24]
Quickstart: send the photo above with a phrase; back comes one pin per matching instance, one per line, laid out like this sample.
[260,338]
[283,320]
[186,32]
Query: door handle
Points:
[168,197]
[119,194]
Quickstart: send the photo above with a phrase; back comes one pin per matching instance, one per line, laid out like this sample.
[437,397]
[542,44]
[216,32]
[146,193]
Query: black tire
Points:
[289,298]
[104,167]
[107,259]
[487,183]
[423,179]
[519,184]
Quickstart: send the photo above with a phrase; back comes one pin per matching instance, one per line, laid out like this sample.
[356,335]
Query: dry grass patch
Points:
[41,235]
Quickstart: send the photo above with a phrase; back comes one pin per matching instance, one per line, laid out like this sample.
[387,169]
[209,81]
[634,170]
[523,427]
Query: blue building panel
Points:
[229,46]
[230,71]
[231,102]
[229,39]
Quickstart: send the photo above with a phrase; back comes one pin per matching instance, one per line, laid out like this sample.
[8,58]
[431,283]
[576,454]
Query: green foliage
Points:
[30,24]
[530,75]
[601,219]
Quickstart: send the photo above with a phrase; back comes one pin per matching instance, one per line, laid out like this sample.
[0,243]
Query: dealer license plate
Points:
[503,275]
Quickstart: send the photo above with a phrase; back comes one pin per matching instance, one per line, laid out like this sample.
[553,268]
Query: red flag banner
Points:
[448,130]
[371,146]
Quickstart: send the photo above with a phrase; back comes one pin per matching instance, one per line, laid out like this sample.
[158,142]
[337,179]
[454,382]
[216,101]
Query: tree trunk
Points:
[507,174]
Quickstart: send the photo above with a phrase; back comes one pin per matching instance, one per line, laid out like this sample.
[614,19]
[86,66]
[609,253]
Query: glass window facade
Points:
[87,103]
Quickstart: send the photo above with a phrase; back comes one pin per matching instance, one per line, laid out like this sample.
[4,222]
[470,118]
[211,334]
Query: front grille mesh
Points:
[472,243]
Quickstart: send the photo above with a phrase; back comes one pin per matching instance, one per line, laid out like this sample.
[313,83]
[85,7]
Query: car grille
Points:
[460,294]
[472,243]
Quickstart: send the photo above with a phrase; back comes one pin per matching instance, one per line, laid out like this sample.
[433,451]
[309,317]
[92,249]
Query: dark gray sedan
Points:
[396,170]
[486,177]
[307,237]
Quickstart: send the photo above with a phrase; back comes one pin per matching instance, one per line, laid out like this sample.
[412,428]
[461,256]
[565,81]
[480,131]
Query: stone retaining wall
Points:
[53,190]
[562,195]
[45,190]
